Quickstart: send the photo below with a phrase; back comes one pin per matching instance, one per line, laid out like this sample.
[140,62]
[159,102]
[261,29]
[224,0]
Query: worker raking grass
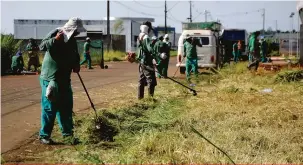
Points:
[61,58]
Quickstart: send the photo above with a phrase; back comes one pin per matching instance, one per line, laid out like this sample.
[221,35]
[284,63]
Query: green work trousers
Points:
[236,55]
[263,56]
[163,68]
[62,108]
[87,59]
[191,66]
[147,77]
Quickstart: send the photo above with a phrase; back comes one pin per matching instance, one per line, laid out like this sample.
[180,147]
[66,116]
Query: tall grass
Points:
[230,109]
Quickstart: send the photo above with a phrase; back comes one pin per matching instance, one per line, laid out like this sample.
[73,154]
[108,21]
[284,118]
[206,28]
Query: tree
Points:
[118,27]
[117,39]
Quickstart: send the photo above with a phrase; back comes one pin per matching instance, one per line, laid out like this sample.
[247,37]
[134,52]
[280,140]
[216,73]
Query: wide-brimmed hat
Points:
[73,24]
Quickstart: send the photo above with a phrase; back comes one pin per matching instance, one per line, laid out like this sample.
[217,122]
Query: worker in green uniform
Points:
[167,50]
[248,48]
[61,58]
[190,52]
[263,52]
[32,49]
[235,52]
[17,63]
[154,41]
[160,53]
[254,47]
[146,65]
[86,53]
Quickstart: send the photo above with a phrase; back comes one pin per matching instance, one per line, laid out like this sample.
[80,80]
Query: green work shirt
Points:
[31,47]
[59,59]
[190,50]
[17,62]
[235,47]
[87,45]
[145,51]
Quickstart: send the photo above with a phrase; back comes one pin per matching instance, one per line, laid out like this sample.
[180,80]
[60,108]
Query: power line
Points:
[173,6]
[173,18]
[238,13]
[136,11]
[147,6]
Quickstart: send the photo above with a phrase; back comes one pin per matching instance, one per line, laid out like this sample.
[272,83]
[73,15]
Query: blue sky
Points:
[232,14]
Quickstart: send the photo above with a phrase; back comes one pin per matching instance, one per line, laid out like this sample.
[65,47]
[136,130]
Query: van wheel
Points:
[182,70]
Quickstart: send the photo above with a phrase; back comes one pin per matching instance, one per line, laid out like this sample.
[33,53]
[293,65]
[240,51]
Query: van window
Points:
[204,40]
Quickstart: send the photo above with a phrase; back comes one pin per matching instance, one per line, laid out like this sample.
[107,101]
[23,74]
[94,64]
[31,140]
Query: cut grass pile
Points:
[230,109]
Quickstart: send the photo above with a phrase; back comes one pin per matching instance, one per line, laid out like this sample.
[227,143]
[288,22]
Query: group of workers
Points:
[62,58]
[257,50]
[32,48]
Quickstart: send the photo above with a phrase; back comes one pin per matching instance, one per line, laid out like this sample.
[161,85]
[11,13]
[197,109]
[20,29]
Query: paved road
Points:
[20,98]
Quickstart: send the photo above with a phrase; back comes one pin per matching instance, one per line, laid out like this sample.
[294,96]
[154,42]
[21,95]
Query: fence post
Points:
[102,55]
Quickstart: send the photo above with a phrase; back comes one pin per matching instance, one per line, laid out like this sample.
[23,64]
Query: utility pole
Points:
[298,39]
[190,13]
[165,13]
[263,22]
[276,25]
[205,14]
[108,26]
[290,40]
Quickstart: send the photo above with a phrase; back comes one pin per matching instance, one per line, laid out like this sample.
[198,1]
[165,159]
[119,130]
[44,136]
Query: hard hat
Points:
[87,38]
[166,36]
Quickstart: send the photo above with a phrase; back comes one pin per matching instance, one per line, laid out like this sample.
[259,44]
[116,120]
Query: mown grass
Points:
[230,109]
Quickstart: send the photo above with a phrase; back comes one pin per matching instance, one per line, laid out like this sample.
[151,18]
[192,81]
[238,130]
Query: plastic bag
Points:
[51,91]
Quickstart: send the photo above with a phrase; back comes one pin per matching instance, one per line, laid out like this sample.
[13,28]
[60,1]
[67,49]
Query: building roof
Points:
[139,19]
[85,22]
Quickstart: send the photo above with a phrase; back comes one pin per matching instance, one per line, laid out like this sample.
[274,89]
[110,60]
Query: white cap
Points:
[154,38]
[166,36]
[87,38]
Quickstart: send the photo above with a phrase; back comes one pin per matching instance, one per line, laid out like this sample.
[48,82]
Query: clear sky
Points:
[232,14]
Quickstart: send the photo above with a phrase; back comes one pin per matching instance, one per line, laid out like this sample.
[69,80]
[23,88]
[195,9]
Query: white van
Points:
[206,53]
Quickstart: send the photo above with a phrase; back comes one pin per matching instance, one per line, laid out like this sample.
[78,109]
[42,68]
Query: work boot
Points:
[46,141]
[71,140]
[141,91]
[151,91]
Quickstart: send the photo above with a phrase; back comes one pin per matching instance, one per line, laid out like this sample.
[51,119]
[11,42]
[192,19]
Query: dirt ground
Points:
[20,109]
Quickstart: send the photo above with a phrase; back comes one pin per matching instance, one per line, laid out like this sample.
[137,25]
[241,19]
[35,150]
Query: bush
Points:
[289,76]
[9,46]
